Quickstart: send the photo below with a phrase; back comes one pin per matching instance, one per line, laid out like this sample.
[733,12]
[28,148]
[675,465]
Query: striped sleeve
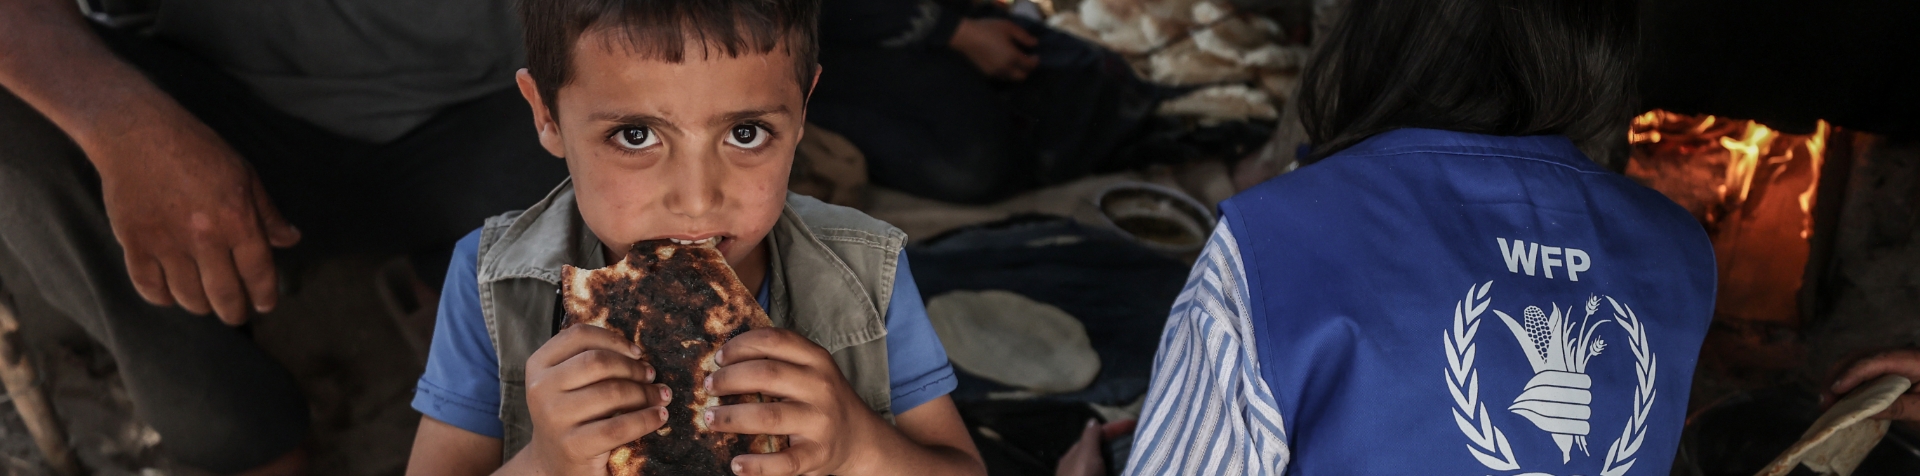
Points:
[1207,410]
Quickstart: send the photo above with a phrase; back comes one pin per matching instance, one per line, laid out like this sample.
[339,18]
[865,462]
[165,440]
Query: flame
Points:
[1817,152]
[1745,154]
[1747,147]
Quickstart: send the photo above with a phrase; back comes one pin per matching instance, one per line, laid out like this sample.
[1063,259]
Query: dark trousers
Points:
[931,124]
[217,400]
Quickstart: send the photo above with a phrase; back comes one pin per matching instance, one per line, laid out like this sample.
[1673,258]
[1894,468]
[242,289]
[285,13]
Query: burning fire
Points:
[1728,154]
[1754,190]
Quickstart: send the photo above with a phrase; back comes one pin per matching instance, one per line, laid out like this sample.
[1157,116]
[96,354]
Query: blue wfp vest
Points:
[1435,302]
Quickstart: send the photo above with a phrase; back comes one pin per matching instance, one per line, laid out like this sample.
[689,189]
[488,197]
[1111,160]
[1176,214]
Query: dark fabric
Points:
[217,400]
[1740,434]
[930,123]
[922,24]
[1119,290]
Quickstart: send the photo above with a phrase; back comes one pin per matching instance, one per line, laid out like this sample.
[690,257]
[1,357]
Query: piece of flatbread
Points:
[680,303]
[1843,436]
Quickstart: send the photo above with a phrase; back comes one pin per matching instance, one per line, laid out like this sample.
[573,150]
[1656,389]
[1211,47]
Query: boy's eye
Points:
[747,136]
[635,137]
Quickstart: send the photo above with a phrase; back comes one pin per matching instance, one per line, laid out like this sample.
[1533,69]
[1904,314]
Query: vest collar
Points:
[1551,148]
[553,220]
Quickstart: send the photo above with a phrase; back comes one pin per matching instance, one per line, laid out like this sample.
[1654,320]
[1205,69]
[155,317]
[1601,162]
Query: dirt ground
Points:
[340,333]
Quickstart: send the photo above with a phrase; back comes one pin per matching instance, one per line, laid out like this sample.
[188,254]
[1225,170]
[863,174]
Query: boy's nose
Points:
[697,187]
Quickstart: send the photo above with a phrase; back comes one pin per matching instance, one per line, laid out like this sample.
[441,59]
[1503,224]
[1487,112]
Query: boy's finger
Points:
[791,461]
[771,343]
[608,398]
[605,435]
[594,365]
[774,418]
[764,376]
[576,339]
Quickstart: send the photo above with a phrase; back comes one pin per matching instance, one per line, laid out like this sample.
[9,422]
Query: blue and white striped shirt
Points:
[1208,411]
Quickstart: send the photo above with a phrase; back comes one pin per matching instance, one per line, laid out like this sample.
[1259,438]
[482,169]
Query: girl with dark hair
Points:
[1451,286]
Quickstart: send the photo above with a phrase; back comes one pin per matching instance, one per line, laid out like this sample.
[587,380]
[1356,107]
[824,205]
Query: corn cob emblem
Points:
[1556,399]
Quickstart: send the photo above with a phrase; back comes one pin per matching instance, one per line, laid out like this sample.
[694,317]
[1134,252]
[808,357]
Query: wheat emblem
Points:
[1558,396]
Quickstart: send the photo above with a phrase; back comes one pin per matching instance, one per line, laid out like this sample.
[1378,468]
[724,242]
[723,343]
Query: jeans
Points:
[216,399]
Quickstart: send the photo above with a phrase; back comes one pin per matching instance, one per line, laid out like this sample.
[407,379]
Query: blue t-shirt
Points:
[462,383]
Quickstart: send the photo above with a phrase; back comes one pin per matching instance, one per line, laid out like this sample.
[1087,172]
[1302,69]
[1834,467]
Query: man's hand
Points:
[1904,362]
[995,46]
[825,421]
[195,225]
[588,393]
[194,221]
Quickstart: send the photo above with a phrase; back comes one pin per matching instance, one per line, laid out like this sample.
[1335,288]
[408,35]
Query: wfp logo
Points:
[1557,399]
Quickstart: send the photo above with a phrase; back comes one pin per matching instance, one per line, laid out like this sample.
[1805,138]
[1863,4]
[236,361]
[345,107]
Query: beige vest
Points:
[832,278]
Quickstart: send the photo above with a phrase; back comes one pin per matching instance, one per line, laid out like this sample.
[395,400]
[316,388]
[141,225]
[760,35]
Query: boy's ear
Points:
[811,86]
[543,120]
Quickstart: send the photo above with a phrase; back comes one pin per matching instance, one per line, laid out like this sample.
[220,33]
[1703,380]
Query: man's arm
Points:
[1208,411]
[193,220]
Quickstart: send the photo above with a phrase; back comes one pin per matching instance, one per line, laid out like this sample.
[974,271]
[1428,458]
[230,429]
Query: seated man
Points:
[167,169]
[967,105]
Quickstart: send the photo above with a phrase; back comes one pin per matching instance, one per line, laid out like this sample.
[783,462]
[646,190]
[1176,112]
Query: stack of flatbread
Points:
[680,303]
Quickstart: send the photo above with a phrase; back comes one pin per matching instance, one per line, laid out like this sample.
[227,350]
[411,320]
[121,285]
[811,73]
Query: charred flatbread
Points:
[680,303]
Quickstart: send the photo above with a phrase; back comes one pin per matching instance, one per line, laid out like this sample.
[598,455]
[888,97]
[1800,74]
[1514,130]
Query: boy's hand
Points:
[996,47]
[824,420]
[588,393]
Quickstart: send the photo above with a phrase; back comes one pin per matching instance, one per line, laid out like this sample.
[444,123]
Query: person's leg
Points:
[1080,105]
[218,402]
[928,122]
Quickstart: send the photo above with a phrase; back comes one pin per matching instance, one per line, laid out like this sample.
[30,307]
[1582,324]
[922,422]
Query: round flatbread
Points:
[1007,338]
[1842,436]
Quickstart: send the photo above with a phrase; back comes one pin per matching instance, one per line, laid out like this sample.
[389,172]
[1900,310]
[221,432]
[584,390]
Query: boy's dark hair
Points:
[661,29]
[1501,67]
